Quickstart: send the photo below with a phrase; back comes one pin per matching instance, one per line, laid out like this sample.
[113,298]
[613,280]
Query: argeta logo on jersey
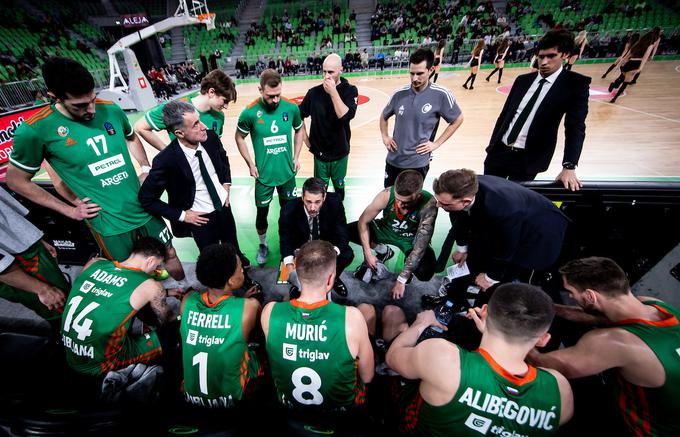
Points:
[62,131]
[284,116]
[401,110]
[108,127]
[478,423]
[87,286]
[426,108]
[192,336]
[289,352]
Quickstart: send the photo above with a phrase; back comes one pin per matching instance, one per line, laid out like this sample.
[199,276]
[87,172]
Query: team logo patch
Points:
[478,423]
[70,142]
[426,108]
[87,286]
[108,127]
[62,131]
[214,126]
[259,114]
[192,336]
[284,116]
[289,352]
[401,110]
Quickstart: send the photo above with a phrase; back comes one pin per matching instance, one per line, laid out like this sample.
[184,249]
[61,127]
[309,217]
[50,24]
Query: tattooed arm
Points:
[152,292]
[422,239]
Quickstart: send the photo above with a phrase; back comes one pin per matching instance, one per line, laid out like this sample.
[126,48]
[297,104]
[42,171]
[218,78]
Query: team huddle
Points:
[318,351]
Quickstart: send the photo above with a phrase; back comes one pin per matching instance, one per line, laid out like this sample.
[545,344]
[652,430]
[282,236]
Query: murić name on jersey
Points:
[79,349]
[219,402]
[297,331]
[509,409]
[115,179]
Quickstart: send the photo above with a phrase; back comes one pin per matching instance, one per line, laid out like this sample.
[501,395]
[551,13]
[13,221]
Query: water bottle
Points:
[444,314]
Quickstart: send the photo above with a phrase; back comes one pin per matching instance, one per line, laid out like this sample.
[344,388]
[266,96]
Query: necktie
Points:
[315,228]
[517,127]
[217,202]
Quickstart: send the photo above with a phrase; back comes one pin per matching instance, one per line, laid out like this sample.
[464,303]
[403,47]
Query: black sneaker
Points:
[340,288]
[383,257]
[363,273]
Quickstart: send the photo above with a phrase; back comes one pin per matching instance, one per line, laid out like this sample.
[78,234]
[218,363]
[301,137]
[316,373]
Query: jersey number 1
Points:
[201,359]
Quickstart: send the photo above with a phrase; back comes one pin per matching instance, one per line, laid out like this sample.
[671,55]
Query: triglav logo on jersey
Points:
[87,286]
[192,336]
[426,108]
[478,423]
[289,352]
[62,131]
[108,127]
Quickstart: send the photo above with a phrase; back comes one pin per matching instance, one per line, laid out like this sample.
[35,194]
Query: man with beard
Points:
[642,345]
[270,120]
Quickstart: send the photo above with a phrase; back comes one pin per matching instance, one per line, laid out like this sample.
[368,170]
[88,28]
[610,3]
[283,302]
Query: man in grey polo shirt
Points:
[418,108]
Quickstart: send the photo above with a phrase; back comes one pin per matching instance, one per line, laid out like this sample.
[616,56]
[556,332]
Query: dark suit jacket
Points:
[512,224]
[294,227]
[568,97]
[171,172]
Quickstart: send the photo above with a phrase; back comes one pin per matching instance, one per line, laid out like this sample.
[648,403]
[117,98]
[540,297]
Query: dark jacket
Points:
[171,172]
[567,97]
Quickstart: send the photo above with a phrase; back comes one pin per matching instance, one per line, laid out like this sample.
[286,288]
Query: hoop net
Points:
[207,19]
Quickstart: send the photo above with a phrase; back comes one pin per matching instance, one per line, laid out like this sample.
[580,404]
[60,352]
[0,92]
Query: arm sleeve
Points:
[6,259]
[245,123]
[28,150]
[155,118]
[304,106]
[575,123]
[297,120]
[450,111]
[388,111]
[341,231]
[350,98]
[151,190]
[284,236]
[127,127]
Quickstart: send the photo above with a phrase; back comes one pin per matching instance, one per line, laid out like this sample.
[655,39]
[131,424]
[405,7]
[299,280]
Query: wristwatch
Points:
[569,166]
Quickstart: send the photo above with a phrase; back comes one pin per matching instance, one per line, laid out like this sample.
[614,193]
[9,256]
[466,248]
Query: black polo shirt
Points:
[329,135]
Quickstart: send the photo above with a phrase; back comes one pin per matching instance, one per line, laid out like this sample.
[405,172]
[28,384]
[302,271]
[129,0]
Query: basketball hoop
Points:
[207,19]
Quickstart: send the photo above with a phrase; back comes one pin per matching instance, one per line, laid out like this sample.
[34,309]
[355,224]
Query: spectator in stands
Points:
[380,60]
[364,59]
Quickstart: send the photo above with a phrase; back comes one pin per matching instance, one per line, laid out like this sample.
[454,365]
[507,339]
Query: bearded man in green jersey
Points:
[85,140]
[269,120]
[215,329]
[217,90]
[103,302]
[491,390]
[642,345]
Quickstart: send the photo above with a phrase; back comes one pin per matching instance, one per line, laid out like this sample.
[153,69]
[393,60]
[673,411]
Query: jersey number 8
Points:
[303,391]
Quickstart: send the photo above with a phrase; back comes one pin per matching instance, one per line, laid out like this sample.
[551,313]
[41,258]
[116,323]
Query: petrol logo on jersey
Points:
[284,116]
[108,127]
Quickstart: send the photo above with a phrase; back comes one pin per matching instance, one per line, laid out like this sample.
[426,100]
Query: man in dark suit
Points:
[524,138]
[316,215]
[509,230]
[194,170]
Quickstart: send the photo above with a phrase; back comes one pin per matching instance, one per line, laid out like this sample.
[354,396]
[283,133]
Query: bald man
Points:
[331,106]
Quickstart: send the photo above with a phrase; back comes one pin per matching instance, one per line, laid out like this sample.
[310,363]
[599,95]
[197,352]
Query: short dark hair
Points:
[314,185]
[149,246]
[270,78]
[221,83]
[173,114]
[408,183]
[458,183]
[315,257]
[421,55]
[562,39]
[520,312]
[64,75]
[216,264]
[597,273]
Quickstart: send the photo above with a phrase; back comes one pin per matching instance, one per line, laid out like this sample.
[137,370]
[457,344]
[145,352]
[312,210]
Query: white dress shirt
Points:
[202,201]
[520,143]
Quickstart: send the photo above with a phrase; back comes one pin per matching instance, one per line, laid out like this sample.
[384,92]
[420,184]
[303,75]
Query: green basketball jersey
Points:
[272,139]
[398,227]
[91,157]
[97,317]
[214,120]
[491,401]
[654,411]
[310,361]
[217,365]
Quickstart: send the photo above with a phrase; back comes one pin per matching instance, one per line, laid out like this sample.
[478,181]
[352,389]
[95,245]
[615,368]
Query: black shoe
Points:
[383,257]
[431,301]
[294,292]
[363,273]
[465,86]
[611,86]
[471,87]
[340,288]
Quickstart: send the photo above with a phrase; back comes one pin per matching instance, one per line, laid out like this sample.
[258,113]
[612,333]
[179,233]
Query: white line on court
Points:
[638,111]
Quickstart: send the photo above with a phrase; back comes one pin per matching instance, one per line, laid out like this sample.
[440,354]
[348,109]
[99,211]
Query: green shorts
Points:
[118,247]
[331,170]
[382,233]
[143,349]
[264,194]
[36,261]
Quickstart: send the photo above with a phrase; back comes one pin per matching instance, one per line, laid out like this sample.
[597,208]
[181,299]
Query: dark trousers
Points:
[425,270]
[507,163]
[220,228]
[391,173]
